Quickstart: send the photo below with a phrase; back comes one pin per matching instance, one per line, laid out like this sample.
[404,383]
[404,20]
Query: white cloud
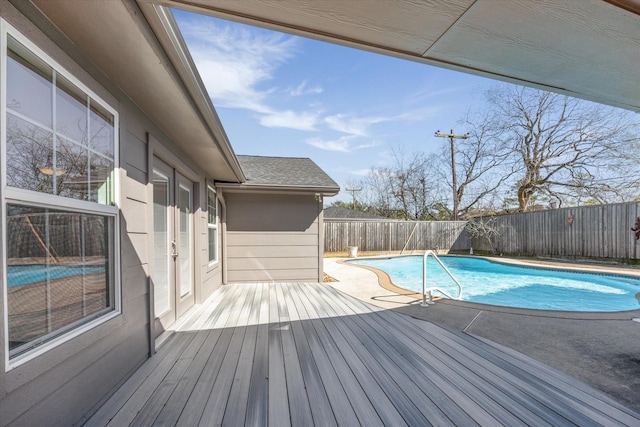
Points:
[302,89]
[236,65]
[341,144]
[361,172]
[234,61]
[368,145]
[290,119]
[356,125]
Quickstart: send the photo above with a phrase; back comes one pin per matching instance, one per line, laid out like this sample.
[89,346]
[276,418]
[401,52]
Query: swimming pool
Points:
[496,283]
[18,275]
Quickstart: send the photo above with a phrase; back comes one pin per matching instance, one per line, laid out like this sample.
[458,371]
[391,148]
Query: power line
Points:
[353,192]
[452,137]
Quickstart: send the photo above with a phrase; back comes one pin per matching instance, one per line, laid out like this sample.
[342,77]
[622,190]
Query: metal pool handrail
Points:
[426,303]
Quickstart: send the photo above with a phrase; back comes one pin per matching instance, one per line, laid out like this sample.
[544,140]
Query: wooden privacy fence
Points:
[393,236]
[602,231]
[56,234]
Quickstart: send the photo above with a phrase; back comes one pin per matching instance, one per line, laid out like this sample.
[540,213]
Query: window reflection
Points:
[70,170]
[101,125]
[30,156]
[62,146]
[101,189]
[71,111]
[58,272]
[30,91]
[59,262]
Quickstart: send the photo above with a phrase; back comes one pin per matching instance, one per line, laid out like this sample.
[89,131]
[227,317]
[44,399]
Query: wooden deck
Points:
[305,354]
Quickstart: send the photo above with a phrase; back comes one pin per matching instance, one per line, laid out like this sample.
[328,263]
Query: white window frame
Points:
[10,195]
[211,227]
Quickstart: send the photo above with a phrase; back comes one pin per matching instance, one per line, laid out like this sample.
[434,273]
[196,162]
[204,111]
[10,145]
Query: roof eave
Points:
[165,27]
[290,189]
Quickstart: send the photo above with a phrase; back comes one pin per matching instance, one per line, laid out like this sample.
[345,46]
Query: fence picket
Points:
[602,231]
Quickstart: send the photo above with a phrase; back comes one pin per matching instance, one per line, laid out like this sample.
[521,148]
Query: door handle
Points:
[174,250]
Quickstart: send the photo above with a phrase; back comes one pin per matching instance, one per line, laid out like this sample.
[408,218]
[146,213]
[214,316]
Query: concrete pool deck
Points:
[600,349]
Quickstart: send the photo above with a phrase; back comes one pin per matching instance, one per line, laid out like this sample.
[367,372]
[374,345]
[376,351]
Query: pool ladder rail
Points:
[433,289]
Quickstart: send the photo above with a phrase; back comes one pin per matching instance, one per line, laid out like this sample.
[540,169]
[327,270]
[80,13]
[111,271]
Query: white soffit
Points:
[585,48]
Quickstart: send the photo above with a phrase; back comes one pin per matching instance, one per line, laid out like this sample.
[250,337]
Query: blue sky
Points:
[346,109]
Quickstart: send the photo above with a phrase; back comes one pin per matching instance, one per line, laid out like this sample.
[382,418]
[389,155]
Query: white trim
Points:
[21,196]
[3,210]
[59,340]
[52,201]
[191,235]
[215,261]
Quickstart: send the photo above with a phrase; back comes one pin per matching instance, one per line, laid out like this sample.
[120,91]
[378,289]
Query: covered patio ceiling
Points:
[584,48]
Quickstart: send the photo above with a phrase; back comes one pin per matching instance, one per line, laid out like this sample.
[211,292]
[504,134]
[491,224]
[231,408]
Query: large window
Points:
[212,224]
[58,200]
[59,140]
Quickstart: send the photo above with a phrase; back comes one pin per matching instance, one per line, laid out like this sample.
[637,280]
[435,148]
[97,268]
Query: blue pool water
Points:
[496,283]
[18,275]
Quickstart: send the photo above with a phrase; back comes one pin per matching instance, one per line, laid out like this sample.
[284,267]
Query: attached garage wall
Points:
[273,237]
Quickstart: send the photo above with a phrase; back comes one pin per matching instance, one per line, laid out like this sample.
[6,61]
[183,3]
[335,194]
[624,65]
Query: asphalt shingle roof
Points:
[285,171]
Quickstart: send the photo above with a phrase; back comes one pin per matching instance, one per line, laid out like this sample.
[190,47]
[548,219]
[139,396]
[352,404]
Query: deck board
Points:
[469,386]
[300,407]
[258,397]
[320,408]
[360,410]
[279,354]
[278,409]
[367,383]
[340,403]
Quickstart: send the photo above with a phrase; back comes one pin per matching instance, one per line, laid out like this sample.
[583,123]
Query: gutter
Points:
[302,189]
[162,22]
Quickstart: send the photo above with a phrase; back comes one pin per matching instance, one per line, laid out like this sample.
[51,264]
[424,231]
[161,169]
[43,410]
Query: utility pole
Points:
[452,137]
[353,192]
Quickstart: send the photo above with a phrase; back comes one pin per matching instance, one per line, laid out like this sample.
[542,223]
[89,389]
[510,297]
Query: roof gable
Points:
[285,172]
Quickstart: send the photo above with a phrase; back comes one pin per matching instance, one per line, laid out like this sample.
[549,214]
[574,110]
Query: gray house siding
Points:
[272,237]
[264,234]
[66,383]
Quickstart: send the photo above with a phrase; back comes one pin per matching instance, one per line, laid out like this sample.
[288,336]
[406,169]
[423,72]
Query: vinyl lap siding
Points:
[272,237]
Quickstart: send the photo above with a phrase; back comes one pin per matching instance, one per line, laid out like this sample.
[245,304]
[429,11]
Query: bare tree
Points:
[562,147]
[68,170]
[483,163]
[486,228]
[404,191]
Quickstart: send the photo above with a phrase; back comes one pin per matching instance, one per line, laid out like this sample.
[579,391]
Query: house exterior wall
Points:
[68,382]
[273,237]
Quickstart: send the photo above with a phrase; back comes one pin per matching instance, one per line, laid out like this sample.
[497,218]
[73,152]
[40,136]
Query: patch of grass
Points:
[327,279]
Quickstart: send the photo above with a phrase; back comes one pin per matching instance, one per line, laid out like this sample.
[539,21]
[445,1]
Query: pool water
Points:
[496,283]
[18,275]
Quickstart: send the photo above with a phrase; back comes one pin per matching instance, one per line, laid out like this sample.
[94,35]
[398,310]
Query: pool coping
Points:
[385,282]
